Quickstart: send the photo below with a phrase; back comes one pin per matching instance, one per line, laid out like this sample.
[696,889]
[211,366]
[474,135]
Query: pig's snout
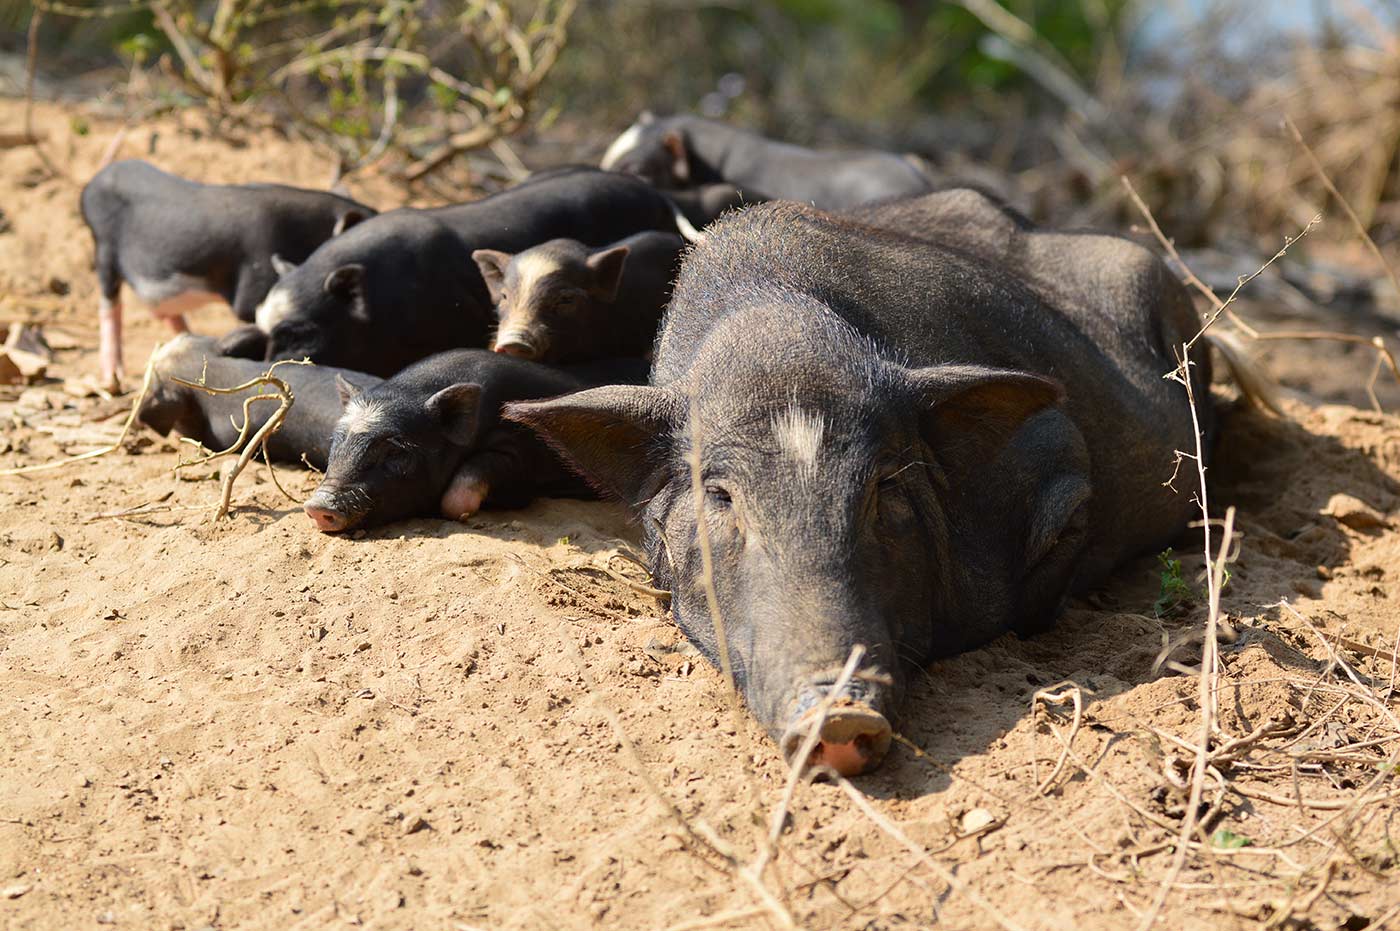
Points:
[519,343]
[854,736]
[327,520]
[331,511]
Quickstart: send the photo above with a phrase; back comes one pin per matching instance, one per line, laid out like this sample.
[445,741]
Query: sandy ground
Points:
[246,724]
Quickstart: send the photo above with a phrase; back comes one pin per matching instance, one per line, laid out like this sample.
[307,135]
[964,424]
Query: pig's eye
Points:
[718,495]
[397,460]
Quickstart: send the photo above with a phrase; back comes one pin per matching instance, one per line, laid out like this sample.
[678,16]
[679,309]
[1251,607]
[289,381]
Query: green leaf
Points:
[1174,591]
[1228,840]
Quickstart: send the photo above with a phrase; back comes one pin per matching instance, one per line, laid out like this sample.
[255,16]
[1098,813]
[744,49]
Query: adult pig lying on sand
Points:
[908,441]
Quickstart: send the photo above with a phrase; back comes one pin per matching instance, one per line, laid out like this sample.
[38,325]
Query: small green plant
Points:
[1174,591]
[1228,840]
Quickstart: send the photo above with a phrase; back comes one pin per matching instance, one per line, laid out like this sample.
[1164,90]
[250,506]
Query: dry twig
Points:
[247,446]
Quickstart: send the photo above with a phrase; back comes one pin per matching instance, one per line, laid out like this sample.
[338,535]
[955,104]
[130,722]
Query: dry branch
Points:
[249,442]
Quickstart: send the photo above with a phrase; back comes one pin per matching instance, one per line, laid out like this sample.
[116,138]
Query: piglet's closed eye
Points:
[458,407]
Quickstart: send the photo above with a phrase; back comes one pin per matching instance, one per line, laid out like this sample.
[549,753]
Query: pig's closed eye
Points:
[718,495]
[398,460]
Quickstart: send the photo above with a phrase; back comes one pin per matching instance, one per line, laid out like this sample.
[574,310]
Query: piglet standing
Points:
[180,244]
[563,302]
[214,419]
[430,440]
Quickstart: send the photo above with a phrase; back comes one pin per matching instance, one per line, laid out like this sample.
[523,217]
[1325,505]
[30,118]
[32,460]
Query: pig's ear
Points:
[972,410]
[345,280]
[459,408]
[615,435]
[680,161]
[347,391]
[607,272]
[348,219]
[646,117]
[493,270]
[281,266]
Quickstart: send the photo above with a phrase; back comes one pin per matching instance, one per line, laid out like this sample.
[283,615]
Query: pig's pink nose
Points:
[854,738]
[519,350]
[326,519]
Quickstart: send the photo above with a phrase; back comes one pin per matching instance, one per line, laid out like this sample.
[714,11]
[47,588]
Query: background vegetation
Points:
[1048,100]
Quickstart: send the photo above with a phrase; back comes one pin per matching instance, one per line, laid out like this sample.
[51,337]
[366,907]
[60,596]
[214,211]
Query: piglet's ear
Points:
[345,280]
[646,117]
[458,407]
[348,219]
[971,411]
[281,266]
[347,390]
[493,266]
[607,272]
[680,160]
[615,435]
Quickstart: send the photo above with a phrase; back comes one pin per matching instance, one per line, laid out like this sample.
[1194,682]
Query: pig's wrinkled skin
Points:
[214,419]
[685,152]
[180,244]
[910,440]
[430,441]
[403,285]
[564,302]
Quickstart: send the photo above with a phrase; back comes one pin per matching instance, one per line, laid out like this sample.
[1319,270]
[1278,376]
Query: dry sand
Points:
[251,725]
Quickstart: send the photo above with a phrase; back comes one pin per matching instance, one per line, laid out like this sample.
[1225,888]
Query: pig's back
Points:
[594,207]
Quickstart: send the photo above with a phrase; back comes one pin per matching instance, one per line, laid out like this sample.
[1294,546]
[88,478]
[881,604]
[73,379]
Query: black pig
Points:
[680,152]
[180,244]
[705,204]
[910,442]
[403,285]
[211,418]
[563,302]
[430,440]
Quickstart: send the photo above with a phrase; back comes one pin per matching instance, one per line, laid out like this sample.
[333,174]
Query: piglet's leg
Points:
[109,320]
[465,493]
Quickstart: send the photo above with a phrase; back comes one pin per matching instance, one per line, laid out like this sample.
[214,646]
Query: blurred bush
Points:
[421,78]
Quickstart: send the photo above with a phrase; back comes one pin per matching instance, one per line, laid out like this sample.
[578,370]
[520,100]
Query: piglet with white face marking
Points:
[430,441]
[564,302]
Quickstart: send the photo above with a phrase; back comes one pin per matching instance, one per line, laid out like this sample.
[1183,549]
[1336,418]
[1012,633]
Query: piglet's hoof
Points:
[463,497]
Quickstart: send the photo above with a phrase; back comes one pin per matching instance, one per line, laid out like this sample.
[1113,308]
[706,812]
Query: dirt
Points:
[247,724]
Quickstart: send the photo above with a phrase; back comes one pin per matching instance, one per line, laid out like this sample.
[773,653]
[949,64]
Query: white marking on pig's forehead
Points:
[275,308]
[621,146]
[531,268]
[533,265]
[800,434]
[362,416]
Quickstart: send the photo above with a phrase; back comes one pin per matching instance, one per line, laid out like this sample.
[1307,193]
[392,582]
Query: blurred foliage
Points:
[1049,101]
[348,72]
[804,64]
